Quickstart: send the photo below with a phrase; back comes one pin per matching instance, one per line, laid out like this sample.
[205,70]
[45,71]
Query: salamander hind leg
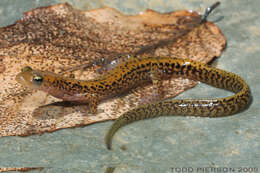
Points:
[157,93]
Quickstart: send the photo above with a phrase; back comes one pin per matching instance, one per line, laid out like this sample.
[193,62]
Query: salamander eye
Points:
[27,68]
[37,79]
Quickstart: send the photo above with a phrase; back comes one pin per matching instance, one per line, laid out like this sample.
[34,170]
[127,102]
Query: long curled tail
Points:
[218,107]
[198,108]
[127,118]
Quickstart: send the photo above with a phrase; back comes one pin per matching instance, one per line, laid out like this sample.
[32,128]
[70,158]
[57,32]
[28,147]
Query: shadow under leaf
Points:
[58,110]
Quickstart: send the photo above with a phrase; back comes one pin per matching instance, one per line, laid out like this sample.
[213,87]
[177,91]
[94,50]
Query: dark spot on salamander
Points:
[231,99]
[189,67]
[227,82]
[148,64]
[114,83]
[222,81]
[194,70]
[206,77]
[92,87]
[119,80]
[244,100]
[173,65]
[74,85]
[212,77]
[57,82]
[66,83]
[200,71]
[108,86]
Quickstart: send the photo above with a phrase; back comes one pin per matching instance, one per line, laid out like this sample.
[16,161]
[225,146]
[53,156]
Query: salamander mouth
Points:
[24,80]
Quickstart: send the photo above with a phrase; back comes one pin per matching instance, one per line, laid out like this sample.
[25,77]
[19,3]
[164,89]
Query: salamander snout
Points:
[29,78]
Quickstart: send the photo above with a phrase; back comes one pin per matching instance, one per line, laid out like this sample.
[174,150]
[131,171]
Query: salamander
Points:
[137,71]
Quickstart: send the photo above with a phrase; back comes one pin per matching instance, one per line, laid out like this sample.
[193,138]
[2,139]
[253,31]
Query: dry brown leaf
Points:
[62,39]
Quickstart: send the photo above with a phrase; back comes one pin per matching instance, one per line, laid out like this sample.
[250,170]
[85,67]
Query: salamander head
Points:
[54,84]
[31,78]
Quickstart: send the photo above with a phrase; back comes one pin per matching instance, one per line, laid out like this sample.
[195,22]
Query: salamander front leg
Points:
[89,107]
[93,107]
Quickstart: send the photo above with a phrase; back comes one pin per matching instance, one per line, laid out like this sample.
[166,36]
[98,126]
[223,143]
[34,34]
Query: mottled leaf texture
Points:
[65,40]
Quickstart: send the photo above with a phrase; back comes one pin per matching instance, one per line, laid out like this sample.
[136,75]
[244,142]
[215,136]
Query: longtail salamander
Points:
[135,71]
